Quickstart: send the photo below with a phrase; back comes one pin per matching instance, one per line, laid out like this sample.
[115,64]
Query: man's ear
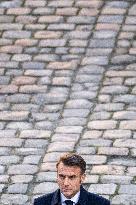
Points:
[83,176]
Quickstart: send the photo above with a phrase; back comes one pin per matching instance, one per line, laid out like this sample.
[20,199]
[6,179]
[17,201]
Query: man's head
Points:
[70,173]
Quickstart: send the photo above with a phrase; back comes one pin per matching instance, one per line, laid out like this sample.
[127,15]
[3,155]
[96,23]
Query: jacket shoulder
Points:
[98,199]
[42,199]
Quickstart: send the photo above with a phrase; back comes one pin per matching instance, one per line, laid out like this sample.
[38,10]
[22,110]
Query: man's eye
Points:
[72,177]
[61,176]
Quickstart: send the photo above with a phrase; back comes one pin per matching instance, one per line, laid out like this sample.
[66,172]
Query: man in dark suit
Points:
[70,176]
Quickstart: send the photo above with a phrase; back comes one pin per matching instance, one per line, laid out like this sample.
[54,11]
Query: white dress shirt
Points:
[74,198]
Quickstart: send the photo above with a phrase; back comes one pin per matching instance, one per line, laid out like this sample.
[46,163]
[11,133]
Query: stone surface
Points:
[67,84]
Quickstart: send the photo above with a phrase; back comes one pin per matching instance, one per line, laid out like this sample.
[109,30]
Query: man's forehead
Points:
[65,168]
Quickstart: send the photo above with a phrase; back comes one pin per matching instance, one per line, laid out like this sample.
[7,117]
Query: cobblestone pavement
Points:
[67,83]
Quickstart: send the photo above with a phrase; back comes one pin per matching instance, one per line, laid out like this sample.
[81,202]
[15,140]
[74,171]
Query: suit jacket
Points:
[86,198]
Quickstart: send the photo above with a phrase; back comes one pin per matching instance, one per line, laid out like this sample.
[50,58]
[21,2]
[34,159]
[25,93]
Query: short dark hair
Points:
[72,159]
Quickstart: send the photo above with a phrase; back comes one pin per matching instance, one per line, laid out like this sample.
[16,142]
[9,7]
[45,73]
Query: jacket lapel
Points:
[56,198]
[83,196]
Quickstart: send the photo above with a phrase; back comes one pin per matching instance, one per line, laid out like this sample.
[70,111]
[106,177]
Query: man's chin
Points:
[67,193]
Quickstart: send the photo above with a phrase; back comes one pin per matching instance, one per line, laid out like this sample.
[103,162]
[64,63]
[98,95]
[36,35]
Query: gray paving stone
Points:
[36,143]
[80,103]
[33,134]
[62,26]
[45,187]
[122,161]
[46,176]
[93,134]
[93,4]
[98,51]
[14,72]
[2,124]
[59,146]
[108,169]
[33,65]
[7,133]
[52,108]
[18,98]
[49,98]
[4,178]
[52,156]
[94,159]
[4,57]
[25,107]
[69,121]
[129,124]
[103,188]
[13,116]
[75,113]
[125,115]
[22,169]
[104,34]
[16,179]
[77,34]
[105,43]
[70,11]
[44,125]
[63,3]
[86,150]
[128,98]
[14,198]
[65,137]
[111,19]
[2,169]
[33,89]
[46,57]
[4,151]
[100,60]
[88,95]
[29,151]
[104,124]
[87,79]
[91,179]
[51,116]
[81,19]
[116,179]
[4,80]
[117,134]
[131,171]
[11,142]
[123,59]
[17,34]
[133,152]
[6,160]
[113,151]
[100,115]
[130,143]
[6,19]
[109,107]
[124,199]
[17,188]
[95,142]
[52,43]
[32,159]
[132,9]
[116,89]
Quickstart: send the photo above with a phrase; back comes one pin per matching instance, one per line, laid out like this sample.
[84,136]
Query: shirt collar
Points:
[74,198]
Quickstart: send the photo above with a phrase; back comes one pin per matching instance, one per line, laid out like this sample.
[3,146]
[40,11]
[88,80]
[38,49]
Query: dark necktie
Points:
[69,202]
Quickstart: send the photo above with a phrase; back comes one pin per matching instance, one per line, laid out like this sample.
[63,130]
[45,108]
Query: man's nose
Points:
[66,181]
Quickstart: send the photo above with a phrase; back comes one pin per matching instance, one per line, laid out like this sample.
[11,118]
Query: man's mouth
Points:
[66,190]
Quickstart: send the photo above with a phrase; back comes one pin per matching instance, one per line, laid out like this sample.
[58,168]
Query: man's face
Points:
[69,179]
